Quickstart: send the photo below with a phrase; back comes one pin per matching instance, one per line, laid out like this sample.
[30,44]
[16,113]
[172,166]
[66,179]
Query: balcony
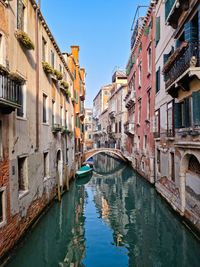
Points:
[181,67]
[82,114]
[82,95]
[10,94]
[129,128]
[130,99]
[112,114]
[173,10]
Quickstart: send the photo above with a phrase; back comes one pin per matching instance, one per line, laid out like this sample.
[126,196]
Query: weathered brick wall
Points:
[16,226]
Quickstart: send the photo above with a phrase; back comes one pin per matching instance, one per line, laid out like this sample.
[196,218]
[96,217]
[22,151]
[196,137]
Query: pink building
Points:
[140,98]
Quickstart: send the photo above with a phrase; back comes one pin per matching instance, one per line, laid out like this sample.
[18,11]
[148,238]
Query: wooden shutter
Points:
[196,108]
[190,31]
[187,112]
[158,80]
[177,115]
[157,30]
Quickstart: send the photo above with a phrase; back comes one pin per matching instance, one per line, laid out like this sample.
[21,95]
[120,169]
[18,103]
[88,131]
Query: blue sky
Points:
[102,30]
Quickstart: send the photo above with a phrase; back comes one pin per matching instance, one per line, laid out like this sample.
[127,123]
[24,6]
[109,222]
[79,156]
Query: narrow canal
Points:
[114,219]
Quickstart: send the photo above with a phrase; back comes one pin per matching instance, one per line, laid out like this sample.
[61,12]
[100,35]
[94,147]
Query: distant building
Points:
[88,143]
[117,113]
[100,103]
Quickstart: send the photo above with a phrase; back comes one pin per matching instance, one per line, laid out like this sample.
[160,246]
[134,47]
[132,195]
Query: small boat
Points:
[84,171]
[84,180]
[90,162]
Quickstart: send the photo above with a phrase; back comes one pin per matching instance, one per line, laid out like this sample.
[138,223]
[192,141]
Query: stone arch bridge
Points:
[90,153]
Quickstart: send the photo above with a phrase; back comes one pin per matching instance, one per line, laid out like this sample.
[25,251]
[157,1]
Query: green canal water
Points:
[114,219]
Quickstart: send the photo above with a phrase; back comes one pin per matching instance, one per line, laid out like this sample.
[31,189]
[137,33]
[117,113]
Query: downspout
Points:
[37,78]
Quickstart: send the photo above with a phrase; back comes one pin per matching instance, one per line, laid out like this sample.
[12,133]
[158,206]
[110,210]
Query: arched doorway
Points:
[190,182]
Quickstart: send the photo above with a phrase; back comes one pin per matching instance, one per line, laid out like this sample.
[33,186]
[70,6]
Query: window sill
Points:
[148,74]
[21,118]
[45,123]
[23,193]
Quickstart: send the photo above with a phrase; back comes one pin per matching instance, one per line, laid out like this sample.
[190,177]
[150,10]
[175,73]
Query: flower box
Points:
[47,67]
[24,39]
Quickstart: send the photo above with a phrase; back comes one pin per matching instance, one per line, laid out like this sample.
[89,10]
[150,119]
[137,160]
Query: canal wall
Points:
[172,195]
[17,226]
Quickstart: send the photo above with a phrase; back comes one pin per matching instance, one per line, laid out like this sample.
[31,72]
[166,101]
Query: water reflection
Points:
[115,219]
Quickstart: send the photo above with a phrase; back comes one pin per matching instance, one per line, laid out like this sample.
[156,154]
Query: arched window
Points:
[194,165]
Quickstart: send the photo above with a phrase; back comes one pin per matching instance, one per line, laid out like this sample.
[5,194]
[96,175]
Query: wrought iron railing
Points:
[188,57]
[10,90]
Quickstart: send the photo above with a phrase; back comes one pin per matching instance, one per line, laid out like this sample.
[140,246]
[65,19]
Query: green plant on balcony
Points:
[64,84]
[58,74]
[73,100]
[56,128]
[64,130]
[16,77]
[47,67]
[68,93]
[24,39]
[70,133]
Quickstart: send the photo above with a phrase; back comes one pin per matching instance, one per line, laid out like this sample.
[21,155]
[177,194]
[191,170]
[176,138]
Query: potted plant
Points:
[68,93]
[56,128]
[58,74]
[64,84]
[24,39]
[47,67]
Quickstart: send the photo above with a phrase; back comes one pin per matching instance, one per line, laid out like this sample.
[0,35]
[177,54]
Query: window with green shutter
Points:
[196,108]
[157,30]
[158,80]
[178,115]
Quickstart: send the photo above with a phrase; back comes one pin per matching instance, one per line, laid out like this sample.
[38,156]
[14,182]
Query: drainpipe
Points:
[37,77]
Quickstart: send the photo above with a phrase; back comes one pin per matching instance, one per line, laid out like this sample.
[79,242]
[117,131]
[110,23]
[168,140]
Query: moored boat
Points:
[84,171]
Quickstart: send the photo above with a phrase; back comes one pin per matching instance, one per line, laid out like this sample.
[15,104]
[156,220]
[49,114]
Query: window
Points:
[21,110]
[89,136]
[172,166]
[157,123]
[187,112]
[157,30]
[2,206]
[53,112]
[61,116]
[170,123]
[22,174]
[90,118]
[60,68]
[66,119]
[20,15]
[139,111]
[140,74]
[67,159]
[148,105]
[158,160]
[1,141]
[145,141]
[120,127]
[44,49]
[44,108]
[149,59]
[46,164]
[52,59]
[158,80]
[116,127]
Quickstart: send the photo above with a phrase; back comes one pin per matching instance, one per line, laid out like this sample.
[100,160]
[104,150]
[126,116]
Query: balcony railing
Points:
[130,99]
[10,93]
[173,10]
[180,61]
[129,128]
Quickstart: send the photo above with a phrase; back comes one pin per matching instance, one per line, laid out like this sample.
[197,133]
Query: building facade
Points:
[140,98]
[177,106]
[88,144]
[117,113]
[78,101]
[36,118]
[100,104]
